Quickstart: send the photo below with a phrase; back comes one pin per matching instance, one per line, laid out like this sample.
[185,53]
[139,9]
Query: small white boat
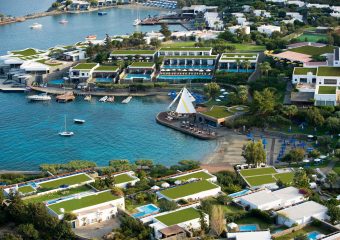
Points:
[39,97]
[36,26]
[91,37]
[103,99]
[66,133]
[136,22]
[88,98]
[63,21]
[78,121]
[127,100]
[110,99]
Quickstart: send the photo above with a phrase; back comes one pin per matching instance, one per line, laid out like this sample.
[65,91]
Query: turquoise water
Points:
[103,80]
[29,133]
[146,210]
[183,77]
[248,227]
[56,81]
[240,193]
[313,235]
[144,76]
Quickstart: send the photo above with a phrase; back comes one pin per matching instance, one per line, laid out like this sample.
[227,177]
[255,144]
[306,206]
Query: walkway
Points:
[97,230]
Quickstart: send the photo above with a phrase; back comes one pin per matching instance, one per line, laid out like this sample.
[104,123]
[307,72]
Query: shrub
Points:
[166,205]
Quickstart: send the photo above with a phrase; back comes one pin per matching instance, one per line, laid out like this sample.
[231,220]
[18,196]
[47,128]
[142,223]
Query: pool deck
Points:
[176,125]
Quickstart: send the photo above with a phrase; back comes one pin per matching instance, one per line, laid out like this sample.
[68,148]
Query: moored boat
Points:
[65,133]
[66,97]
[88,98]
[103,99]
[91,37]
[63,21]
[39,97]
[78,121]
[102,13]
[36,26]
[127,100]
[110,99]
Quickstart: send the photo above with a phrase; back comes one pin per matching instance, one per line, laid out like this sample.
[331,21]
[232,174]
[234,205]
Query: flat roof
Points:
[191,57]
[84,66]
[142,64]
[27,52]
[87,201]
[294,56]
[69,180]
[187,49]
[123,178]
[287,193]
[200,174]
[306,209]
[239,55]
[260,197]
[26,189]
[133,52]
[304,71]
[329,71]
[107,68]
[327,90]
[188,189]
[179,216]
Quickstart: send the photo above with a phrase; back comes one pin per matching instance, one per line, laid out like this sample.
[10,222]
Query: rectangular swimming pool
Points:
[146,210]
[247,227]
[56,81]
[240,193]
[183,77]
[313,235]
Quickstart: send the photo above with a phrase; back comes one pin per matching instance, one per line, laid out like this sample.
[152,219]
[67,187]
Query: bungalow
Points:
[213,21]
[89,209]
[262,13]
[176,223]
[140,72]
[106,74]
[196,10]
[82,72]
[268,29]
[297,3]
[190,191]
[134,55]
[234,29]
[185,51]
[74,56]
[302,213]
[238,62]
[79,6]
[122,180]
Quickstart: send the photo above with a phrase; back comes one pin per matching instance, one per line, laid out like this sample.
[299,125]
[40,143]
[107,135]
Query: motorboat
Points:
[66,97]
[78,121]
[102,13]
[88,98]
[110,99]
[91,37]
[103,99]
[63,21]
[65,133]
[39,97]
[127,100]
[36,26]
[136,22]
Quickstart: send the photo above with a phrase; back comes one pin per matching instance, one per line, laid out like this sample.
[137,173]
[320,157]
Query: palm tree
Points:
[203,25]
[238,63]
[246,64]
[196,24]
[331,179]
[265,67]
[216,24]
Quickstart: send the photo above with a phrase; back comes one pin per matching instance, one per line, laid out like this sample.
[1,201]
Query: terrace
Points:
[66,181]
[133,52]
[107,69]
[180,216]
[327,90]
[329,71]
[304,71]
[79,203]
[27,52]
[123,178]
[85,66]
[311,50]
[199,175]
[142,65]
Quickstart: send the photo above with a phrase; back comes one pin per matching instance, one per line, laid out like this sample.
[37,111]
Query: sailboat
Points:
[66,133]
[137,21]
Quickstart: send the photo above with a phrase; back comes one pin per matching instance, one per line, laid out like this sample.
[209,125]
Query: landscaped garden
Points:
[310,50]
[123,178]
[327,90]
[202,175]
[179,216]
[26,189]
[303,231]
[218,112]
[67,181]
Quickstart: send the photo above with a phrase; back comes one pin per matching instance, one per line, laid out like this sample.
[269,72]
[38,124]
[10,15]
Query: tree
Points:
[212,89]
[28,232]
[93,3]
[166,205]
[56,4]
[265,68]
[301,237]
[334,213]
[108,42]
[333,124]
[217,219]
[155,42]
[331,179]
[165,30]
[264,102]
[314,117]
[224,199]
[290,110]
[301,179]
[117,191]
[246,64]
[294,155]
[11,236]
[144,162]
[120,165]
[254,153]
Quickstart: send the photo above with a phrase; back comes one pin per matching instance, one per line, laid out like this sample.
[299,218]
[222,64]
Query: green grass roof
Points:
[75,204]
[218,112]
[107,68]
[142,64]
[179,216]
[26,189]
[27,52]
[188,189]
[260,180]
[327,90]
[257,171]
[329,71]
[84,66]
[241,56]
[304,71]
[201,174]
[310,50]
[133,52]
[191,49]
[123,178]
[71,180]
[191,57]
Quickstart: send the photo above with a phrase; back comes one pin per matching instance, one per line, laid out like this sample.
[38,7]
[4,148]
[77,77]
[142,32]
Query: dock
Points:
[13,89]
[162,119]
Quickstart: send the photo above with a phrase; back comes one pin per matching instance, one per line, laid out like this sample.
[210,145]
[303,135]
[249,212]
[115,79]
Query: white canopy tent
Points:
[184,99]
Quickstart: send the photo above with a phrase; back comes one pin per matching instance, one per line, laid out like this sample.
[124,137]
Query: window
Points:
[303,80]
[314,80]
[330,81]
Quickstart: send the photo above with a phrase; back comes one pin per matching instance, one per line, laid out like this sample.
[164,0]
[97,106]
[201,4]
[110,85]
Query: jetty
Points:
[66,97]
[13,89]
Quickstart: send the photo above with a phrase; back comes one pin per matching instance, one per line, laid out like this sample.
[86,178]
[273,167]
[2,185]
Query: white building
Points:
[82,71]
[246,8]
[233,29]
[268,29]
[188,219]
[74,56]
[122,180]
[302,213]
[258,235]
[310,5]
[95,207]
[185,51]
[297,3]
[195,175]
[277,1]
[262,13]
[267,200]
[213,21]
[295,16]
[238,14]
[241,21]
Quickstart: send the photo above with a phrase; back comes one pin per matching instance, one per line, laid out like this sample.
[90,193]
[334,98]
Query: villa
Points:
[302,213]
[213,21]
[268,200]
[106,74]
[134,55]
[175,223]
[268,29]
[262,13]
[234,29]
[122,180]
[185,51]
[235,62]
[89,209]
[74,56]
[140,72]
[79,6]
[193,175]
[297,3]
[195,10]
[190,191]
[82,72]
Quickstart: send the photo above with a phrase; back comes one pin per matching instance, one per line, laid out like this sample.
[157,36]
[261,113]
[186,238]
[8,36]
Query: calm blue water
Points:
[24,7]
[118,21]
[313,235]
[29,133]
[146,210]
[240,193]
[248,227]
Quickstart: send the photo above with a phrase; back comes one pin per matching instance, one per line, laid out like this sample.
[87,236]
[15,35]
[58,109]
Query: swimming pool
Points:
[130,76]
[103,80]
[183,77]
[247,227]
[146,210]
[313,235]
[56,81]
[240,193]
[188,67]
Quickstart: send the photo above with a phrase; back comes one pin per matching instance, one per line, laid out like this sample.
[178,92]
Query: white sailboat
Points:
[66,133]
[137,21]
[36,26]
[184,101]
[39,97]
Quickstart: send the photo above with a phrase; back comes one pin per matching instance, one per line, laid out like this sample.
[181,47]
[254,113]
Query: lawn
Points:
[285,177]
[84,66]
[304,230]
[26,189]
[311,37]
[230,209]
[260,180]
[336,168]
[310,50]
[257,171]
[56,195]
[133,52]
[254,220]
[304,71]
[70,180]
[75,204]
[179,44]
[107,68]
[328,71]
[218,112]
[123,178]
[201,174]
[46,62]
[26,52]
[179,216]
[142,64]
[327,90]
[188,189]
